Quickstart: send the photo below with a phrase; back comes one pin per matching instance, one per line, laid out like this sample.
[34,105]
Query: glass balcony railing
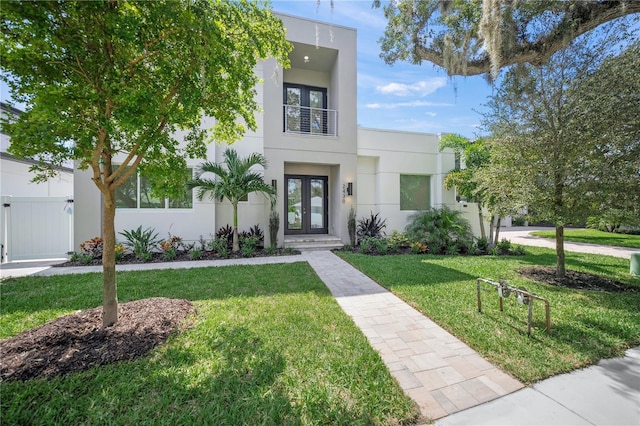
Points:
[310,121]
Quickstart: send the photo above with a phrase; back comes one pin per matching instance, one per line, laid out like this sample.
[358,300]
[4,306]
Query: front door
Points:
[306,205]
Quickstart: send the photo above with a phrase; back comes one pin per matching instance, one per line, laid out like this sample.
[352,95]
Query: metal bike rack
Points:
[523,296]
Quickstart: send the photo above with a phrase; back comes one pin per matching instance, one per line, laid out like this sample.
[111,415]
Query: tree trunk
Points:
[498,221]
[560,267]
[491,229]
[109,287]
[236,243]
[483,232]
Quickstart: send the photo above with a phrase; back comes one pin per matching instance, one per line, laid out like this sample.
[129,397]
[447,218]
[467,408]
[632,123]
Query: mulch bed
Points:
[78,341]
[129,258]
[574,279]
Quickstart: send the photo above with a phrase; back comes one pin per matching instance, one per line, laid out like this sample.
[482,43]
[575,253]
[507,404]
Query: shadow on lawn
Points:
[230,377]
[84,291]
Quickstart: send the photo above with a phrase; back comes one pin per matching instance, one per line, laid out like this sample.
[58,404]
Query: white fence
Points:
[36,227]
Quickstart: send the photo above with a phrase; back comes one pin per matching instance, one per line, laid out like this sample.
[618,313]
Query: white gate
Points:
[36,227]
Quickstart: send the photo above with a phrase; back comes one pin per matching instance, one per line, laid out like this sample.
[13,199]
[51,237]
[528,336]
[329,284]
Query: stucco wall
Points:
[383,156]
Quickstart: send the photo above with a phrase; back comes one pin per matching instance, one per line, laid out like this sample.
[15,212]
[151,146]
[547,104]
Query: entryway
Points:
[306,205]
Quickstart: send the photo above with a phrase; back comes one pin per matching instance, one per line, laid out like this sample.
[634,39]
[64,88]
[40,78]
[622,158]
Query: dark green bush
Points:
[439,229]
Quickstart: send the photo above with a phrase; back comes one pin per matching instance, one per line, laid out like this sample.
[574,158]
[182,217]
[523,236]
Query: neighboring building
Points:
[321,163]
[31,211]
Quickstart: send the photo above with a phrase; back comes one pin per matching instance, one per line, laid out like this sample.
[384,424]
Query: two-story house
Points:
[321,163]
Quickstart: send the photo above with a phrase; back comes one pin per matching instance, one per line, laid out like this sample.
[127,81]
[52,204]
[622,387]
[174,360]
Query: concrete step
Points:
[312,242]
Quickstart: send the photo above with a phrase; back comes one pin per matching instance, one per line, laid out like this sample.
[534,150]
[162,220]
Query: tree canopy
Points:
[563,146]
[470,37]
[123,86]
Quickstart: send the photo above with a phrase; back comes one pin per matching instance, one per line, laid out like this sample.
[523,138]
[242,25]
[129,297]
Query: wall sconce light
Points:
[274,183]
[350,188]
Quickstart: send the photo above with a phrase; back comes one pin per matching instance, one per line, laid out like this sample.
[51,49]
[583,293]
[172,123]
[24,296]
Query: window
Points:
[305,109]
[136,193]
[415,192]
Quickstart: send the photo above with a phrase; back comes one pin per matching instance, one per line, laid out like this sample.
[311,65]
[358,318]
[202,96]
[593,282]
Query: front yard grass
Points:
[593,236]
[586,326]
[270,345]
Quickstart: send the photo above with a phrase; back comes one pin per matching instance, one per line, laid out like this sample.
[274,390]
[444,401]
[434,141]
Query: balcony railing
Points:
[310,121]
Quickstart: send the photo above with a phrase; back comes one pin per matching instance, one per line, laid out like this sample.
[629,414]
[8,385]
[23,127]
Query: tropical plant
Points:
[254,232]
[140,242]
[92,247]
[120,78]
[274,227]
[225,233]
[439,229]
[351,226]
[220,246]
[233,179]
[371,227]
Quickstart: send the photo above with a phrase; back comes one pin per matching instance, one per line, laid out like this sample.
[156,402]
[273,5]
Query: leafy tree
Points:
[545,151]
[481,36]
[115,80]
[233,180]
[475,155]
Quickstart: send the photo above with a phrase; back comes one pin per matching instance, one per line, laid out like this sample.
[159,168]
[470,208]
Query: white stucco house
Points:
[319,160]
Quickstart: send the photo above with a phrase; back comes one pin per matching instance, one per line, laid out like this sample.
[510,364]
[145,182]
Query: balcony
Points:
[310,121]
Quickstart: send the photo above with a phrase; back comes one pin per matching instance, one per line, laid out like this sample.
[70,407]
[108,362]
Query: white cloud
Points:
[412,104]
[421,88]
[430,114]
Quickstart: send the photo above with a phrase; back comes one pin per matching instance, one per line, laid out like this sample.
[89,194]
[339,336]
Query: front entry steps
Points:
[311,242]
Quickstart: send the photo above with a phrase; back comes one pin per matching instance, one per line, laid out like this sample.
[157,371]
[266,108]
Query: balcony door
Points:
[305,109]
[306,205]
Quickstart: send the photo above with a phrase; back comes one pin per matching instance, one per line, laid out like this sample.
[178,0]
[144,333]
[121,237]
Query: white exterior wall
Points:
[371,159]
[383,156]
[332,66]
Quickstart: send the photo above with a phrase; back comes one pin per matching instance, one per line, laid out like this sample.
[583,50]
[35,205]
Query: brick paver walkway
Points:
[441,373]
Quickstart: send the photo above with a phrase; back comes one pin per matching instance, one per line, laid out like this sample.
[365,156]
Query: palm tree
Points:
[233,180]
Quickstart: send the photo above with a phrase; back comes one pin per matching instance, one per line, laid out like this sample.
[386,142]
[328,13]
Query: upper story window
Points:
[135,193]
[305,110]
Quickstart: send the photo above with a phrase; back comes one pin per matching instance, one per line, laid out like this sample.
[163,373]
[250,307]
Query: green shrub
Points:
[519,250]
[439,229]
[196,254]
[504,246]
[220,247]
[271,250]
[141,242]
[248,245]
[482,245]
[398,240]
[170,254]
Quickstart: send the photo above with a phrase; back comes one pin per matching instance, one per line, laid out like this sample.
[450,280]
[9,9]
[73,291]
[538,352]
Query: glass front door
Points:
[306,205]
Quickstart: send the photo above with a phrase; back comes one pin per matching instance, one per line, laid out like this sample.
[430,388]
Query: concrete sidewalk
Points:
[605,394]
[521,235]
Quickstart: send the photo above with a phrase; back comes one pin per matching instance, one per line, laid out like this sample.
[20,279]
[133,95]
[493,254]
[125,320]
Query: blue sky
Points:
[418,98]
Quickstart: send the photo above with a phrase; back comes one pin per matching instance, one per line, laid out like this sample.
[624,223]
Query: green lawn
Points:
[270,346]
[593,236]
[586,326]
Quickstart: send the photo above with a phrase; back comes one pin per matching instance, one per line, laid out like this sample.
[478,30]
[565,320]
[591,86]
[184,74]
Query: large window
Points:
[135,193]
[415,192]
[305,109]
